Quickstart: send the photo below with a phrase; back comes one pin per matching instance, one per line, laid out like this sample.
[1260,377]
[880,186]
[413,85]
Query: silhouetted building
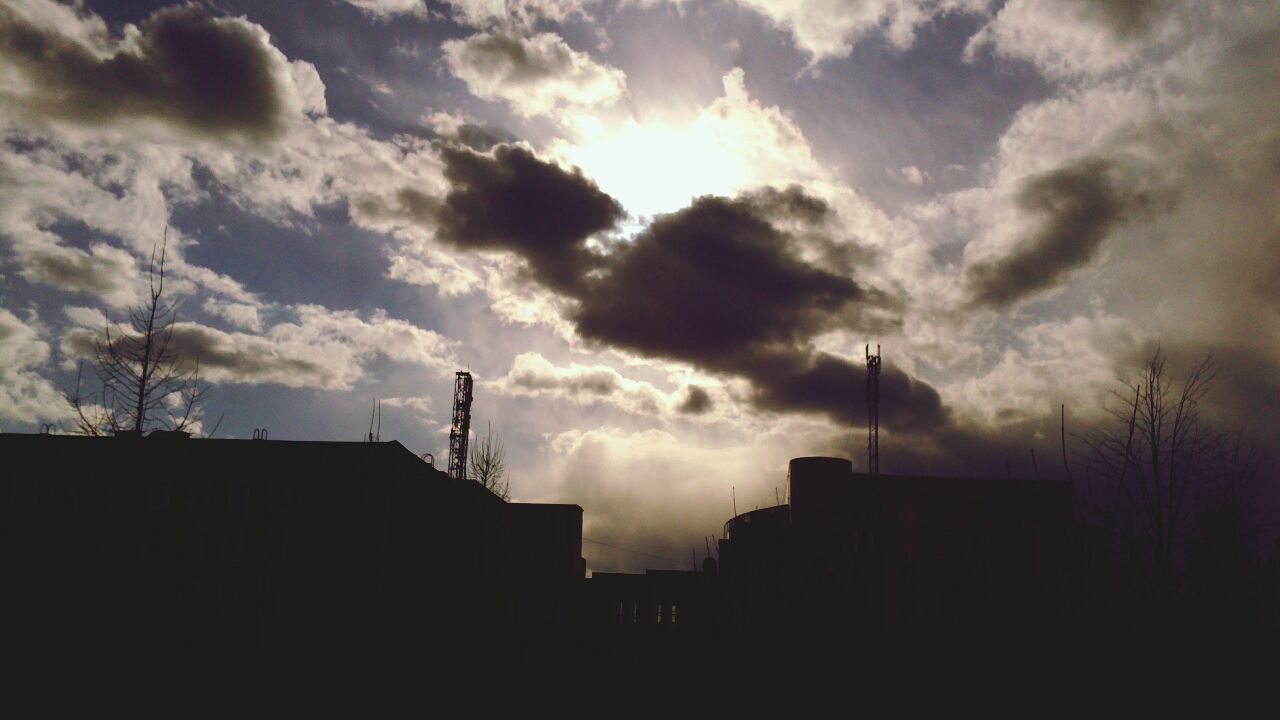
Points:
[313,563]
[864,553]
[665,617]
[753,563]
[310,561]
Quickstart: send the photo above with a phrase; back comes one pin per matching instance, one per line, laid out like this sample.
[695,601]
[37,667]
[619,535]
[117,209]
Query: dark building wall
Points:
[666,619]
[546,540]
[658,600]
[862,553]
[545,575]
[835,567]
[925,552]
[753,565]
[319,556]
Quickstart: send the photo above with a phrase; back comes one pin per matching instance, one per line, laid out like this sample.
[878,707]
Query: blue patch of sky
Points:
[883,108]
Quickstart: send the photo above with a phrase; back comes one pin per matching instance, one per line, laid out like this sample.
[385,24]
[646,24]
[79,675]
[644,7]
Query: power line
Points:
[631,550]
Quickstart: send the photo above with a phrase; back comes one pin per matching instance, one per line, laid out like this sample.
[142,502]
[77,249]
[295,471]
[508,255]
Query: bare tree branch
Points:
[488,463]
[143,379]
[1147,464]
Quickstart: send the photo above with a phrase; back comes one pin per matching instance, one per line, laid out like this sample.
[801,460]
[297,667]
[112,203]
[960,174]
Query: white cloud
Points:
[655,491]
[119,190]
[911,174]
[418,405]
[421,262]
[446,123]
[533,375]
[536,75]
[523,13]
[383,9]
[661,491]
[1184,128]
[241,315]
[119,179]
[319,348]
[1070,39]
[830,28]
[325,162]
[26,396]
[1071,362]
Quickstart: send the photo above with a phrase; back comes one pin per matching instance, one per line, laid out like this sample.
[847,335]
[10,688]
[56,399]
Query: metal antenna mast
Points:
[873,410]
[461,426]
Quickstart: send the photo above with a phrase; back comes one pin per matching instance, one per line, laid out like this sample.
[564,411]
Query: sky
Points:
[660,234]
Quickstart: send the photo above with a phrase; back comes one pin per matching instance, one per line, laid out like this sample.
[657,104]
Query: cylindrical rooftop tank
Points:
[814,482]
[815,466]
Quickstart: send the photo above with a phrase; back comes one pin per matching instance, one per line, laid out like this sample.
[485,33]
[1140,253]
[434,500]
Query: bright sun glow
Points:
[654,169]
[659,164]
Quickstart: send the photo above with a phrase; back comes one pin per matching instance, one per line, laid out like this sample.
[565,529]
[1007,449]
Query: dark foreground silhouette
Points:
[191,576]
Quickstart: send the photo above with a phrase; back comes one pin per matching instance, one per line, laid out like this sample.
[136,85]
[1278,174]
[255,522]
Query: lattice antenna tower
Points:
[461,429]
[873,410]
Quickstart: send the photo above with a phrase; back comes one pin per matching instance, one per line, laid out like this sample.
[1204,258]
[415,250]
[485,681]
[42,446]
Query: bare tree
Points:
[1143,470]
[488,463]
[144,382]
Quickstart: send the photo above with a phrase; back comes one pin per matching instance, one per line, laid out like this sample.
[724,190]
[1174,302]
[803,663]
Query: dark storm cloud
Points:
[714,284]
[720,284]
[254,361]
[479,138]
[807,219]
[1125,18]
[513,57]
[961,451]
[224,357]
[836,387]
[696,401]
[211,75]
[791,202]
[1241,396]
[1079,205]
[598,382]
[514,201]
[79,272]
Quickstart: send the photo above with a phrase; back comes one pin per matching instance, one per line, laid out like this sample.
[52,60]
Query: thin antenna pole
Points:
[776,500]
[734,490]
[873,410]
[706,541]
[1034,465]
[1062,427]
[372,410]
[1075,495]
[379,435]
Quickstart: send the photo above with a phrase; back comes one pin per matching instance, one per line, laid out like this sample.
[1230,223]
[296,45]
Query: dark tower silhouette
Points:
[461,426]
[873,410]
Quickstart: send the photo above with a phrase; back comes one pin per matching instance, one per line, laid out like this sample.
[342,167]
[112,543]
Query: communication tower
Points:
[461,429]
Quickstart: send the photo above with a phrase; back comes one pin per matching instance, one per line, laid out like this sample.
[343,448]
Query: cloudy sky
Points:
[659,233]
